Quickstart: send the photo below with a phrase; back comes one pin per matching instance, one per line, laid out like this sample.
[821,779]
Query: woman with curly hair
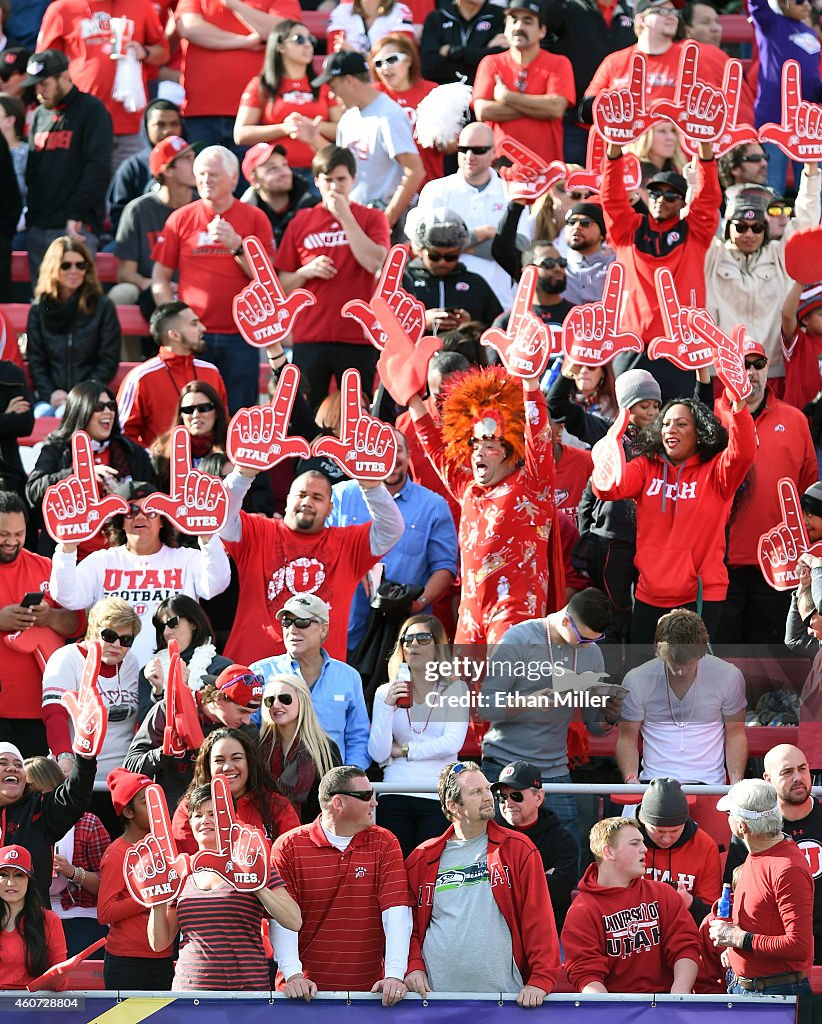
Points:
[294,745]
[234,755]
[73,331]
[684,482]
[203,413]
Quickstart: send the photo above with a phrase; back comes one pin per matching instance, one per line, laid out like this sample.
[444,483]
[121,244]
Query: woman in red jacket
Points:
[231,753]
[31,938]
[684,481]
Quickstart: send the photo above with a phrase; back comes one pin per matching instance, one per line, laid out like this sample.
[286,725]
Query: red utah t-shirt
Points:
[293,95]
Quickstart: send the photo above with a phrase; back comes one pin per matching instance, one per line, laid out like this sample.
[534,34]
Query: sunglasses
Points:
[249,678]
[286,699]
[172,622]
[514,795]
[134,510]
[189,410]
[580,638]
[583,222]
[757,364]
[669,197]
[742,228]
[579,197]
[755,158]
[79,265]
[476,150]
[390,60]
[299,623]
[422,638]
[301,40]
[111,636]
[102,406]
[443,257]
[780,211]
[550,262]
[358,794]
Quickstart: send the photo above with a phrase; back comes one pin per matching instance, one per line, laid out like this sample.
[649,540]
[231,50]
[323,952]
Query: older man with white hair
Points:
[203,243]
[769,942]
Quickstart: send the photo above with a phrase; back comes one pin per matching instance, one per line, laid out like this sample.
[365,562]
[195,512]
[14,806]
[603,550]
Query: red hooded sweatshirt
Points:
[627,938]
[681,516]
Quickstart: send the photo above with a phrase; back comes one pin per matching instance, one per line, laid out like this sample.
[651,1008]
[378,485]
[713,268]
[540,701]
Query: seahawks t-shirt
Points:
[467,947]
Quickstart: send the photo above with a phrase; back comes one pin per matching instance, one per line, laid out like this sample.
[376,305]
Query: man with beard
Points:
[550,304]
[786,768]
[425,555]
[588,257]
[30,633]
[277,558]
[482,880]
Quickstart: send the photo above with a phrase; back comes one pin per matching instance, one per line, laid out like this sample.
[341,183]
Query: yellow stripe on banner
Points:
[131,1011]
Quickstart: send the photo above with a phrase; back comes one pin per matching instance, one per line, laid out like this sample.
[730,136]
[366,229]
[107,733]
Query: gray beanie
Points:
[811,500]
[636,386]
[442,228]
[664,804]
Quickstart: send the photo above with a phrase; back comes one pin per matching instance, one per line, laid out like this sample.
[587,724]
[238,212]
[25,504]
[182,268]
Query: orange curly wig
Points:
[478,394]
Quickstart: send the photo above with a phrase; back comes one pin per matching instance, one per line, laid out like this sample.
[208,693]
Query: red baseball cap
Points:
[16,857]
[241,685]
[258,155]
[124,786]
[752,347]
[166,152]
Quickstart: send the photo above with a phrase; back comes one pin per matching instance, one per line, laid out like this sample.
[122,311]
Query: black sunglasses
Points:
[189,410]
[111,636]
[476,150]
[299,623]
[755,158]
[514,795]
[757,364]
[669,197]
[284,698]
[134,510]
[79,265]
[102,406]
[742,228]
[421,638]
[583,222]
[550,262]
[358,794]
[442,257]
[172,622]
[300,39]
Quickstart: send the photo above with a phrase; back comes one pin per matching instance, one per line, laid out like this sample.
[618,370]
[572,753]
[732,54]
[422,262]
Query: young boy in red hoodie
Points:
[802,343]
[624,932]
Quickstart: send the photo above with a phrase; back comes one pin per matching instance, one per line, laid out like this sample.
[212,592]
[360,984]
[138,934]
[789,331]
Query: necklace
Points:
[683,725]
[551,649]
[419,732]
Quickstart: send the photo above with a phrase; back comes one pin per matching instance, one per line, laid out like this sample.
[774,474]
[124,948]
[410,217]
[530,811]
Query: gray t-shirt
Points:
[141,222]
[520,666]
[464,907]
[376,135]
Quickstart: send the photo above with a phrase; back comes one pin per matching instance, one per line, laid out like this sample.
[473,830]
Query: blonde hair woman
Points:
[414,739]
[295,747]
[660,146]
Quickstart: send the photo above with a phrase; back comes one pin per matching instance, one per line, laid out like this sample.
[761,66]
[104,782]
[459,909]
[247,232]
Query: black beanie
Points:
[664,804]
[592,210]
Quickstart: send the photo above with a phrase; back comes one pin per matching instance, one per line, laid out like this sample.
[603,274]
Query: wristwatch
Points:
[238,251]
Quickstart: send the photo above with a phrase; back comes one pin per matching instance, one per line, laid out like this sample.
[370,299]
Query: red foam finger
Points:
[91,666]
[392,271]
[612,294]
[180,458]
[351,407]
[223,811]
[520,154]
[524,298]
[83,463]
[688,68]
[261,265]
[791,91]
[160,821]
[637,81]
[803,255]
[791,509]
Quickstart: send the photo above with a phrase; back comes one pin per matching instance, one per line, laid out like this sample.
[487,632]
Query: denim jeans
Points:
[735,989]
[239,366]
[778,169]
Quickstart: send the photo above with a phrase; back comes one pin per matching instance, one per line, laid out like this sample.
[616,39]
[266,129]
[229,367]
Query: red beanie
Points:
[124,786]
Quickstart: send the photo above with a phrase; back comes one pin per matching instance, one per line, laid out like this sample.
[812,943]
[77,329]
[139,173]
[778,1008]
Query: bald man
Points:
[786,768]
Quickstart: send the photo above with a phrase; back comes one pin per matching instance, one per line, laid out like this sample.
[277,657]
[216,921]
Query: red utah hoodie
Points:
[627,938]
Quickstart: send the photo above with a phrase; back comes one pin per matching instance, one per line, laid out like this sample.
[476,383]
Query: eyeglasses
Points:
[580,638]
[550,262]
[299,623]
[172,622]
[249,678]
[358,794]
[476,150]
[79,265]
[111,636]
[390,60]
[755,158]
[189,410]
[286,699]
[522,79]
[442,257]
[301,40]
[422,638]
[742,228]
[756,364]
[102,406]
[514,795]
[780,211]
[134,510]
[669,197]
[583,222]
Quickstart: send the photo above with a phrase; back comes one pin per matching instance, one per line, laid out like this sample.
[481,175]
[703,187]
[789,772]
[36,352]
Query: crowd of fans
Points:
[317,632]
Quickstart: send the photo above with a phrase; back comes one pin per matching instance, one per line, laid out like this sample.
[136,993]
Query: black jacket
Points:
[468,41]
[299,198]
[12,203]
[89,351]
[38,820]
[69,163]
[459,289]
[13,425]
[559,854]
